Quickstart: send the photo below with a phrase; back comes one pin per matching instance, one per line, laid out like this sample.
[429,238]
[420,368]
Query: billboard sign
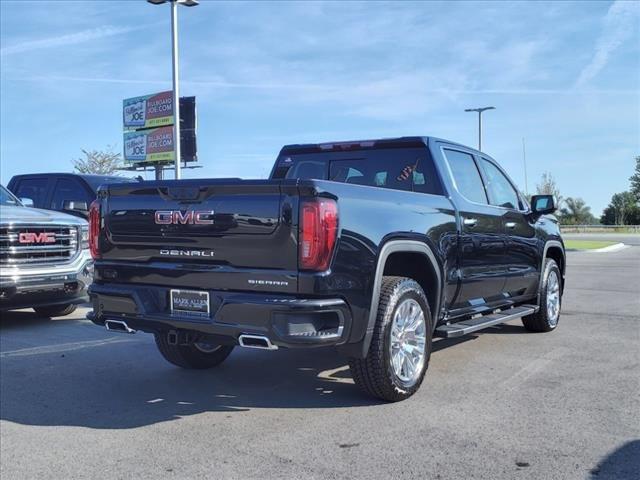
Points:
[148,111]
[149,146]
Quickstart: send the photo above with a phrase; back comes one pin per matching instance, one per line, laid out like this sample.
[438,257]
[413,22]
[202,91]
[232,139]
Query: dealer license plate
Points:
[190,302]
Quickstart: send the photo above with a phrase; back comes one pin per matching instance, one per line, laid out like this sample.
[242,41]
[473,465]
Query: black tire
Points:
[190,356]
[375,374]
[55,310]
[542,320]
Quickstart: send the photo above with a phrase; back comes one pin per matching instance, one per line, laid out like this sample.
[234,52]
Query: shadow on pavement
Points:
[20,319]
[127,384]
[622,464]
[73,374]
[506,329]
[25,318]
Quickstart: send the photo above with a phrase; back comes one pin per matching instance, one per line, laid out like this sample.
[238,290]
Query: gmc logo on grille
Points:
[43,237]
[189,217]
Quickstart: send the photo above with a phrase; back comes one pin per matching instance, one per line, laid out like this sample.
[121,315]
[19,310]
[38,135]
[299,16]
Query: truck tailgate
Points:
[235,224]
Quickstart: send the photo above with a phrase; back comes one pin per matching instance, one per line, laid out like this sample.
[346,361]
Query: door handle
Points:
[470,222]
[510,224]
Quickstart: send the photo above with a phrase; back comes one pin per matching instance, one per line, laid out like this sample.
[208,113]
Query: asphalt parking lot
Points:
[79,402]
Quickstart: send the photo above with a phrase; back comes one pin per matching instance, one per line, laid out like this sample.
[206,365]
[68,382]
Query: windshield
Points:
[7,198]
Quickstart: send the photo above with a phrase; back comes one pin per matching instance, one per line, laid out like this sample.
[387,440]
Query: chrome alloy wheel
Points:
[408,340]
[553,298]
[206,347]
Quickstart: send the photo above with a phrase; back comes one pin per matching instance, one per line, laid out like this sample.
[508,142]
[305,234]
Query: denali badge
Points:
[175,217]
[44,237]
[186,253]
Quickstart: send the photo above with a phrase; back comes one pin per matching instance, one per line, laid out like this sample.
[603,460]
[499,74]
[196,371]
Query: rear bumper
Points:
[287,321]
[32,288]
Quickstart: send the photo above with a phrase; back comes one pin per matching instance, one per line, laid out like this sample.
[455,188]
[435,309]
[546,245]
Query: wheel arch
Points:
[406,258]
[553,249]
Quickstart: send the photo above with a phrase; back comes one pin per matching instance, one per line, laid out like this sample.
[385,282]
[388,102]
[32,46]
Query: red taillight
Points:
[318,231]
[94,228]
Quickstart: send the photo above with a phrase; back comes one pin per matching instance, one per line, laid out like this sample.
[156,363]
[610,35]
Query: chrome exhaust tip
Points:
[118,326]
[256,341]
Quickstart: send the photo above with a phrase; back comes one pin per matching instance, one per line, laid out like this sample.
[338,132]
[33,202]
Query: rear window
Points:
[409,169]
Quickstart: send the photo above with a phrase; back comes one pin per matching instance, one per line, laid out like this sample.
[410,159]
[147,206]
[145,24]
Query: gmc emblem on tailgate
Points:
[44,237]
[189,217]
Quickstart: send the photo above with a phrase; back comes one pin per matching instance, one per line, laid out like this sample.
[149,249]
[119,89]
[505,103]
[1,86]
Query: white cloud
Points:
[621,21]
[64,40]
[398,84]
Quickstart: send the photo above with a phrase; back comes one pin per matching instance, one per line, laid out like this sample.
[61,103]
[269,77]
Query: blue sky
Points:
[565,76]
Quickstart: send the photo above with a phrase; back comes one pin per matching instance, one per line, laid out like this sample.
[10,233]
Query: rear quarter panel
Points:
[368,218]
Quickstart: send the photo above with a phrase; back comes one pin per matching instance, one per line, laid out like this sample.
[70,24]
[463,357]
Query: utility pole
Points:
[176,79]
[479,110]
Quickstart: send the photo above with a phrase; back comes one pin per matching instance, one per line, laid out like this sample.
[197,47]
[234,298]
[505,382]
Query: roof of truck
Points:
[397,142]
[89,176]
[93,180]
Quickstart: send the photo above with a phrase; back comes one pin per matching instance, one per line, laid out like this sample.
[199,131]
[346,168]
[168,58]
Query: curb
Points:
[611,248]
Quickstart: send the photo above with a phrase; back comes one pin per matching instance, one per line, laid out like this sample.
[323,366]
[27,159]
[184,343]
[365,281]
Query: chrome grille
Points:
[24,245]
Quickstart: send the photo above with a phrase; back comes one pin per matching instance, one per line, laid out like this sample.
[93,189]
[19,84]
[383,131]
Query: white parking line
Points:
[62,347]
[534,368]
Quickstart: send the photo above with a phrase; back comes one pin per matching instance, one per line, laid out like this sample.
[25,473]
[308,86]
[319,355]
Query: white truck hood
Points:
[15,215]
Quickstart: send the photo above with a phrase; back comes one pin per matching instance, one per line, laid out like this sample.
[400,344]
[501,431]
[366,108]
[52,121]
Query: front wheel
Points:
[401,345]
[55,310]
[547,317]
[192,356]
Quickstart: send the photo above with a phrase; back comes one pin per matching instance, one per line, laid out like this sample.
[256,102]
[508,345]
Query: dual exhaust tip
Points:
[245,340]
[256,341]
[118,326]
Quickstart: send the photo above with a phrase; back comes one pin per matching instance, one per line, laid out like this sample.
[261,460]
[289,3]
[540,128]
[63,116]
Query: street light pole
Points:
[176,76]
[524,161]
[176,86]
[480,130]
[479,110]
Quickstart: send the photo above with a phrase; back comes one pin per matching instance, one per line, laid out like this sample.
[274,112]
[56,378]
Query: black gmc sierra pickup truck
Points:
[373,247]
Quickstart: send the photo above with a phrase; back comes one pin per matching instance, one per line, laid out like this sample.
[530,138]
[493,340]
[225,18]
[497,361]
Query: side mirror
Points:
[27,202]
[75,206]
[543,204]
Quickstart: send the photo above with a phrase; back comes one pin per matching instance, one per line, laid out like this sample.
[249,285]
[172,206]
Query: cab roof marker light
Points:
[347,145]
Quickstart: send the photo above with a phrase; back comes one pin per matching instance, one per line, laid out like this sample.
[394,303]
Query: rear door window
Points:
[33,188]
[466,175]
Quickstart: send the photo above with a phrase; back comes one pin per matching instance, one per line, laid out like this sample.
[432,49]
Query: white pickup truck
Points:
[44,259]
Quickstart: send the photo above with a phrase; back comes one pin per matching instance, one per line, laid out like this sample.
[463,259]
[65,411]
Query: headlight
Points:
[84,237]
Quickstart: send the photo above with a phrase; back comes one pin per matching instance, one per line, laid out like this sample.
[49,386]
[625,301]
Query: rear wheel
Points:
[193,356]
[55,310]
[401,345]
[547,317]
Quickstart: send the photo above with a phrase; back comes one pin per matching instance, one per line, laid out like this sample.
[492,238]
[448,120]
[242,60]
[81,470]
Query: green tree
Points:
[576,212]
[547,186]
[101,162]
[635,180]
[622,210]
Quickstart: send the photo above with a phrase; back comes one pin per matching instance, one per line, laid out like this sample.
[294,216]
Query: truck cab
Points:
[69,193]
